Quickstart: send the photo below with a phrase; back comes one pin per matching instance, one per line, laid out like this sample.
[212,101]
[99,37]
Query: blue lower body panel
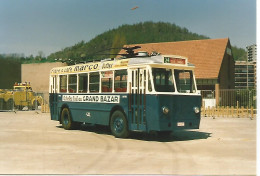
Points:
[145,116]
[85,108]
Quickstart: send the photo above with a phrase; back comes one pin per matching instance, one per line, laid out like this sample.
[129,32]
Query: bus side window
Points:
[106,81]
[83,83]
[63,83]
[94,82]
[72,83]
[120,80]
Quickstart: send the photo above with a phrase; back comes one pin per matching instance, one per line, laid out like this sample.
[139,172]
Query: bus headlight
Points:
[165,110]
[196,110]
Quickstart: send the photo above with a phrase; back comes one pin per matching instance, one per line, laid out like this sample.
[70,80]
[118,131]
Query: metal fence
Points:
[229,103]
[239,98]
[222,111]
[229,97]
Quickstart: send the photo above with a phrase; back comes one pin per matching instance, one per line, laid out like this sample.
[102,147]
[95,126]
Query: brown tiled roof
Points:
[206,55]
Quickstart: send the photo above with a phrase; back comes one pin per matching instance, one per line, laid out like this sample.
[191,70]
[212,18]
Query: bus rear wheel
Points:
[119,125]
[66,119]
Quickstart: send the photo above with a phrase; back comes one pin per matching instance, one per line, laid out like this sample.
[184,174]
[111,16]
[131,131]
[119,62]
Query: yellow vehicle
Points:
[6,99]
[1,99]
[21,96]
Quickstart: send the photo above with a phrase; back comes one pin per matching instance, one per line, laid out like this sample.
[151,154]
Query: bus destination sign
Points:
[173,60]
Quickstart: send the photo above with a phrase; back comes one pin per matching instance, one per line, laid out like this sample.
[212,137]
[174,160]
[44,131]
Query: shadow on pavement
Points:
[153,136]
[175,136]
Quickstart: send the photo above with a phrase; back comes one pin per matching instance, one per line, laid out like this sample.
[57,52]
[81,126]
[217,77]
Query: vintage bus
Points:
[149,93]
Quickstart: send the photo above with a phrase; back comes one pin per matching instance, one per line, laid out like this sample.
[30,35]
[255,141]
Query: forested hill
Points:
[147,32]
[144,32]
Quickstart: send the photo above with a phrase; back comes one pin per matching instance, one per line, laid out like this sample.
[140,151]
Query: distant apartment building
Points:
[245,75]
[251,52]
[245,71]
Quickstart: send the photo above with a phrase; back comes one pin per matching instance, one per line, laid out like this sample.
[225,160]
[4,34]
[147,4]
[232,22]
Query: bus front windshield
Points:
[164,80]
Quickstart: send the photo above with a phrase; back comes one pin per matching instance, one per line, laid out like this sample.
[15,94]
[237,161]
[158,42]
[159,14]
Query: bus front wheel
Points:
[66,119]
[118,125]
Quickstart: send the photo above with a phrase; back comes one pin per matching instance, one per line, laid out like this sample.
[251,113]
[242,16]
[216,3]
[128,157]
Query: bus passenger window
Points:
[63,83]
[120,80]
[106,81]
[163,80]
[94,82]
[83,83]
[184,81]
[72,83]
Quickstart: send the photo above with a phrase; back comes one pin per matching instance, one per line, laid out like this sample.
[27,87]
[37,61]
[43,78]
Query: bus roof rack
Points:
[142,60]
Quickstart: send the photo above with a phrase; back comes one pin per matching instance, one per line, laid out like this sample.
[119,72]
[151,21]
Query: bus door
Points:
[137,99]
[53,99]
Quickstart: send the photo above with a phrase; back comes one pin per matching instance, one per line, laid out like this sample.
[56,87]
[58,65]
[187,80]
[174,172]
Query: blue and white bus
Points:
[151,93]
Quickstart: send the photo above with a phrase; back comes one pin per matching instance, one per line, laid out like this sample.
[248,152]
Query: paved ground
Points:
[31,143]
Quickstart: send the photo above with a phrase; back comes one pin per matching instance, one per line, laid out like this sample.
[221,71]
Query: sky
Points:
[33,26]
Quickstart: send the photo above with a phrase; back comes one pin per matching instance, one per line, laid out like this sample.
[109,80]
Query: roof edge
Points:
[227,39]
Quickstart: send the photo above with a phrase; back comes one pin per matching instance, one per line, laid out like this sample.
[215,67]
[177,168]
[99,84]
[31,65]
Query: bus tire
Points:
[119,125]
[66,119]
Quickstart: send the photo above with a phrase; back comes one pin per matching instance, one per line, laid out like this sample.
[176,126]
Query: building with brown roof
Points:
[213,60]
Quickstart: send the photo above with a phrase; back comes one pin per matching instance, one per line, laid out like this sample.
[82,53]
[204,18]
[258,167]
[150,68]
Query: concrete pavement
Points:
[30,143]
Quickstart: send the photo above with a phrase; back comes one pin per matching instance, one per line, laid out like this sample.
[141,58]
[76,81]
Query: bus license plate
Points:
[180,124]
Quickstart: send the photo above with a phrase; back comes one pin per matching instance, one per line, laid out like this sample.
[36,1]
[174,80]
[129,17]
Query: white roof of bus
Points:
[118,64]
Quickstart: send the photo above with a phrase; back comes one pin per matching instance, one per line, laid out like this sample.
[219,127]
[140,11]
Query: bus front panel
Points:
[173,112]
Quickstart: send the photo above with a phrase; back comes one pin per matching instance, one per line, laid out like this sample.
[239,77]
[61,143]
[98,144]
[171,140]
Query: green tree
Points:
[143,32]
[239,54]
